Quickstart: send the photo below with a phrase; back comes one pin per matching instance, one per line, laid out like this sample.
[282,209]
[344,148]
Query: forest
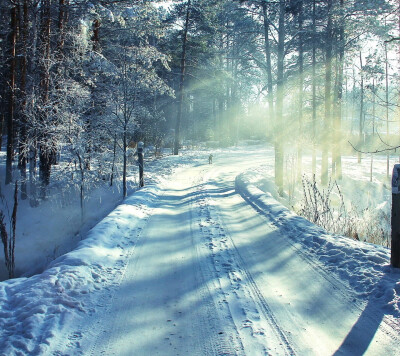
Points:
[266,223]
[81,82]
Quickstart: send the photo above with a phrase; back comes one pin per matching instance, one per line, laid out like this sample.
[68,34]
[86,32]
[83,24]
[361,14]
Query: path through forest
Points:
[210,275]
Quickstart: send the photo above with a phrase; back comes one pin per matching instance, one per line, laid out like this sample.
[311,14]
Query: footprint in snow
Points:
[75,336]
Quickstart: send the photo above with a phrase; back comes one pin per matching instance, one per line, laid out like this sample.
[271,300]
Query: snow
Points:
[201,261]
[361,265]
[56,226]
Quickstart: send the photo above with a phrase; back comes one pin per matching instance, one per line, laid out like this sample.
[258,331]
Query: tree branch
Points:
[389,147]
[392,39]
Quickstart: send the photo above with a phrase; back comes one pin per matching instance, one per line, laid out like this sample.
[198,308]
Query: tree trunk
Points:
[360,123]
[228,101]
[336,153]
[215,117]
[279,153]
[33,54]
[22,162]
[62,18]
[181,80]
[314,91]
[113,160]
[268,62]
[387,105]
[221,117]
[82,186]
[327,99]
[124,147]
[1,128]
[11,102]
[301,86]
[96,37]
[235,100]
[33,202]
[373,124]
[45,150]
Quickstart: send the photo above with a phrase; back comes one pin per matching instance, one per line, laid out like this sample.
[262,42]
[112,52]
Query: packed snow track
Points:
[209,274]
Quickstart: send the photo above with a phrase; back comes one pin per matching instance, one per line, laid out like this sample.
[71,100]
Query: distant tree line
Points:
[82,81]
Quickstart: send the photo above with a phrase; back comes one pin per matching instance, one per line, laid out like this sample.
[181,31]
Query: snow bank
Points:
[55,227]
[364,267]
[33,310]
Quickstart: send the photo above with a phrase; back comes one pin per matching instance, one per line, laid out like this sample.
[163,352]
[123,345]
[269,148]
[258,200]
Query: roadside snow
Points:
[33,310]
[36,311]
[364,267]
[55,227]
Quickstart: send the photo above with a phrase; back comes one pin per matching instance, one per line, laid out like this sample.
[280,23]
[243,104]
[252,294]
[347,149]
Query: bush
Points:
[316,206]
[368,224]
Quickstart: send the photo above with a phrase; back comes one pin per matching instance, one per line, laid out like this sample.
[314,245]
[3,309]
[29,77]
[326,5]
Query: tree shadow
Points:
[361,335]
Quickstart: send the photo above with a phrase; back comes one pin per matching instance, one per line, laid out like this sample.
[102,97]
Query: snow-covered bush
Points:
[371,225]
[327,208]
[316,206]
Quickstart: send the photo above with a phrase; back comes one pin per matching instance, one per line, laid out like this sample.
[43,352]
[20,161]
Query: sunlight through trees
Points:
[84,81]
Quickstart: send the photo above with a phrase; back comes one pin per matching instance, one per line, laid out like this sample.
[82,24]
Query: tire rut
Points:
[341,287]
[236,282]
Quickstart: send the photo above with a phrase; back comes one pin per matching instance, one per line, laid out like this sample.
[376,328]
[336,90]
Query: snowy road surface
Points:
[211,276]
[203,269]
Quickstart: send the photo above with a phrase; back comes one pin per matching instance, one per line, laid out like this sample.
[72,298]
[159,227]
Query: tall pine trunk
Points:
[387,105]
[62,19]
[314,92]
[11,100]
[181,80]
[113,160]
[328,97]
[336,153]
[34,66]
[22,161]
[268,63]
[124,173]
[301,86]
[44,145]
[360,123]
[373,126]
[279,153]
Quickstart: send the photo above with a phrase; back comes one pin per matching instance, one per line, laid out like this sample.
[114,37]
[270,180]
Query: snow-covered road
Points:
[164,304]
[206,264]
[212,276]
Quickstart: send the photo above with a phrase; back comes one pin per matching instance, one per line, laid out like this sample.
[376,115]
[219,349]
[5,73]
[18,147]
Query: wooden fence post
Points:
[141,162]
[395,220]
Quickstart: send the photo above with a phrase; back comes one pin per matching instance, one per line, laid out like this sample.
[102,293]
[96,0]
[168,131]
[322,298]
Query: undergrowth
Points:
[327,208]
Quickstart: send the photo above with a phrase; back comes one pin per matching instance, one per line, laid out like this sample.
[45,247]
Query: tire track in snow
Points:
[210,336]
[227,340]
[244,302]
[389,326]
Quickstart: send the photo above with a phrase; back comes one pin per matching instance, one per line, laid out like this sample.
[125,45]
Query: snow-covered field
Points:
[202,262]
